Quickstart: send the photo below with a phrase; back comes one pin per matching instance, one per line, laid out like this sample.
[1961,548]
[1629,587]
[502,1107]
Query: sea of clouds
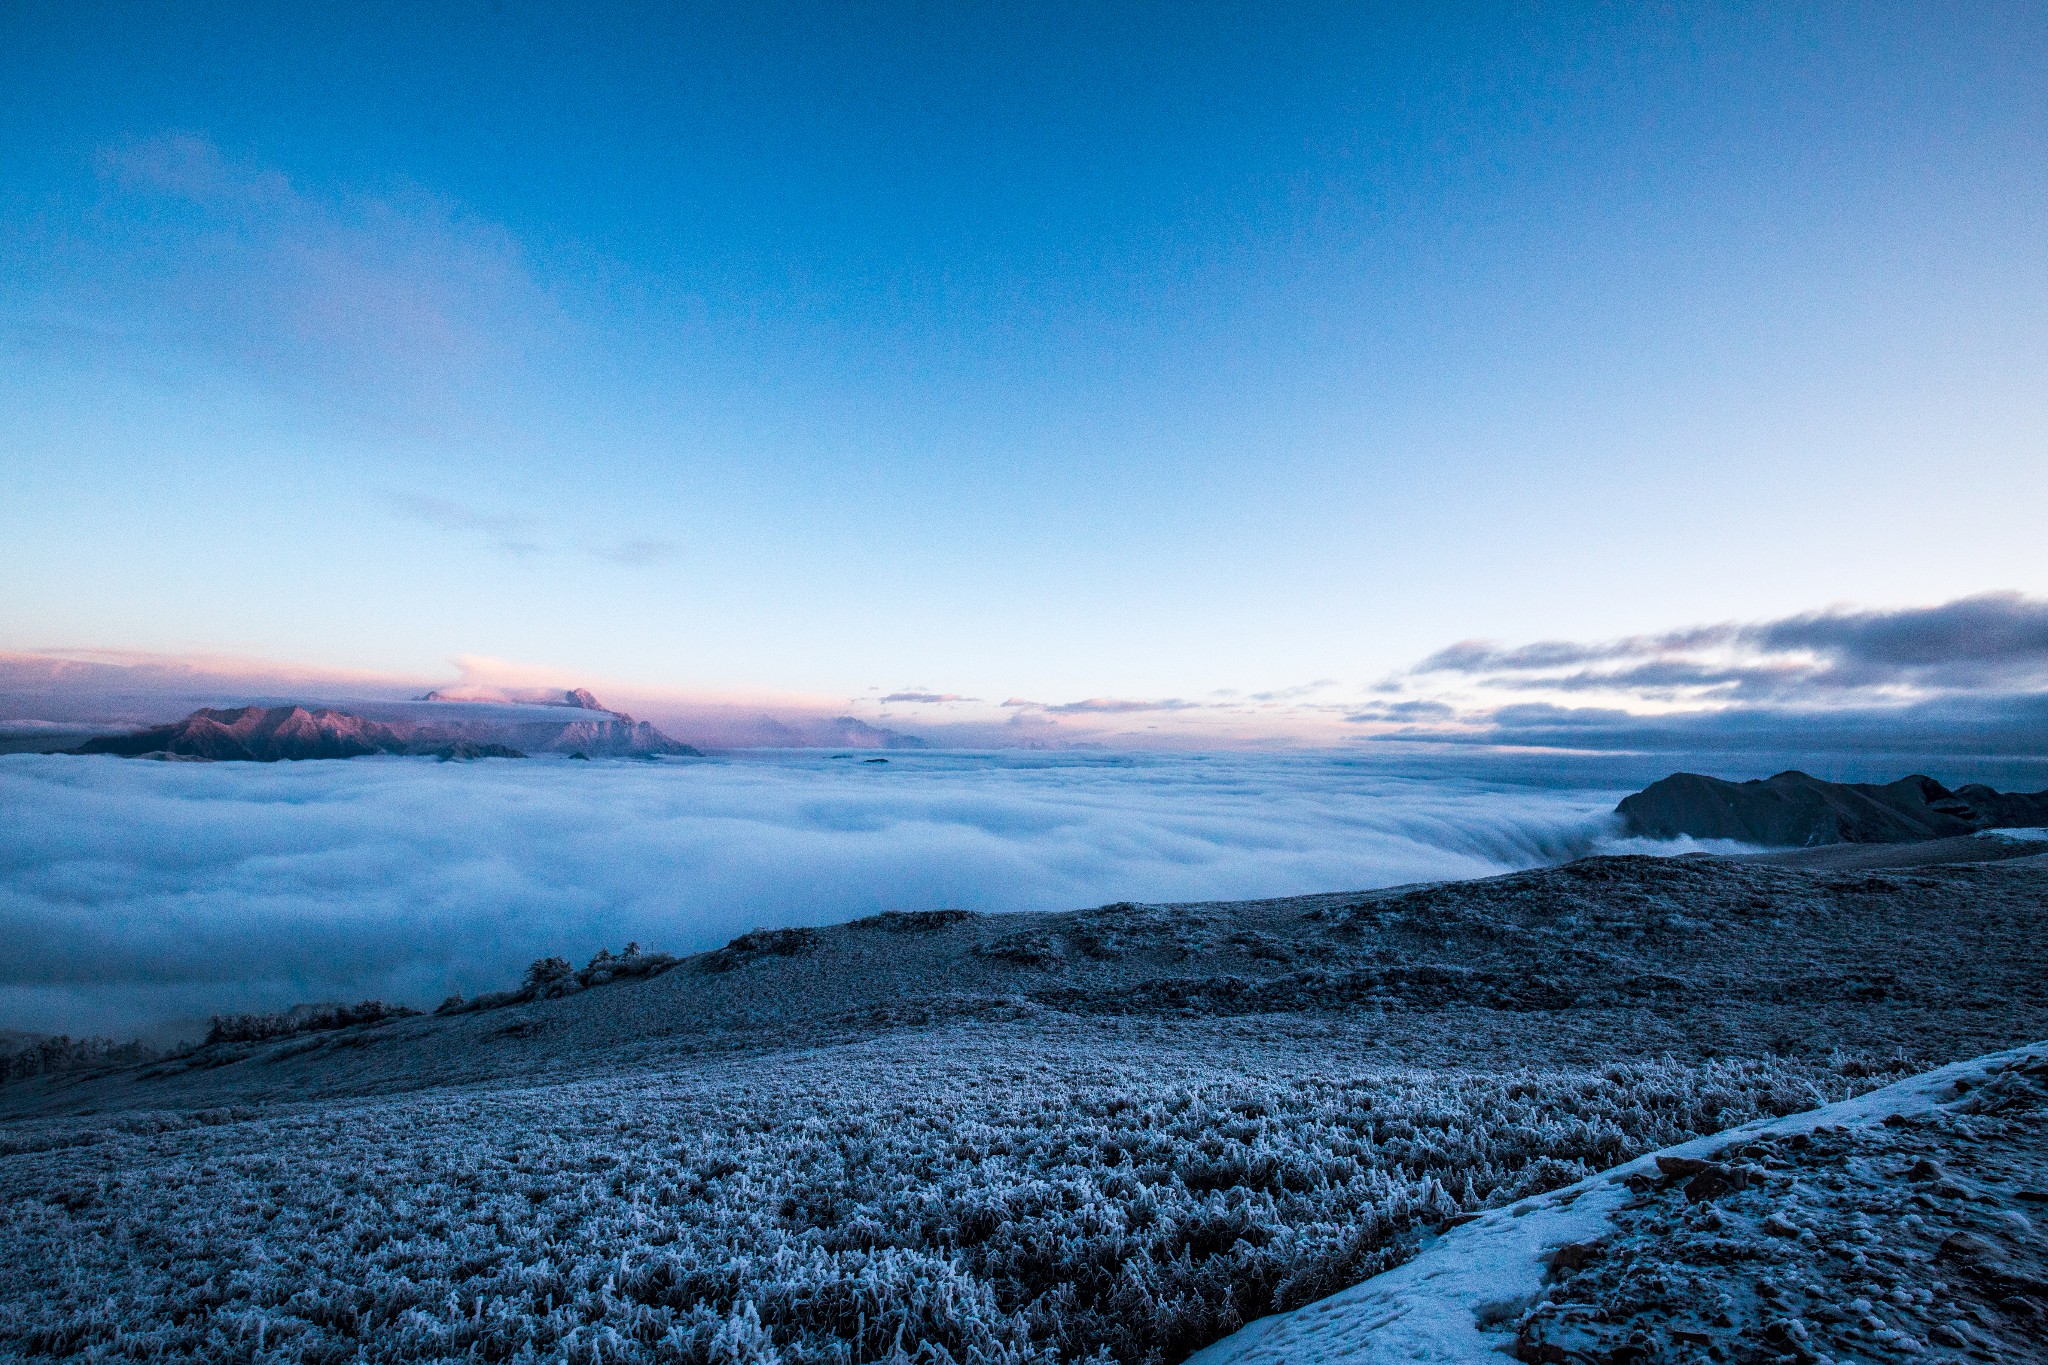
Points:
[142,897]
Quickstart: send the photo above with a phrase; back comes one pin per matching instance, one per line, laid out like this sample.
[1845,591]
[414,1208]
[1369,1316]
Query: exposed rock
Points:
[1796,810]
[762,943]
[465,749]
[1715,1181]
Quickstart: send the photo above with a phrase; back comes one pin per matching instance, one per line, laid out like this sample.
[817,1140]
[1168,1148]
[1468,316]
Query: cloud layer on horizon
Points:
[1964,677]
[140,894]
[1991,641]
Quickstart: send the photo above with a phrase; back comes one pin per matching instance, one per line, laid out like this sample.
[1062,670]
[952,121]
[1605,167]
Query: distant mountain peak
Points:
[268,734]
[580,698]
[1794,809]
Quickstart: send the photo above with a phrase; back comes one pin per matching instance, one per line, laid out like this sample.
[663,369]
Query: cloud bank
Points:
[1965,677]
[1968,677]
[145,895]
[1992,641]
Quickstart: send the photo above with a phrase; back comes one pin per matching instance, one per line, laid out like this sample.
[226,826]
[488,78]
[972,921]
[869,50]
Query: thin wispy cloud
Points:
[395,307]
[508,535]
[1284,695]
[1412,710]
[522,537]
[922,698]
[640,553]
[1103,706]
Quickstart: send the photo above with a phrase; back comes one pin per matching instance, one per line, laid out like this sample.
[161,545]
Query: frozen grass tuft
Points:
[957,1196]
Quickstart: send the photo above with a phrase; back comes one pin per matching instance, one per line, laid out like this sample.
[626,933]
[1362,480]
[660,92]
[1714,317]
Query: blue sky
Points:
[1039,353]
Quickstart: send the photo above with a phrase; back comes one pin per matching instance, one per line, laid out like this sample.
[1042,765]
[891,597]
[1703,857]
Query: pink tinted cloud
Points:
[1103,706]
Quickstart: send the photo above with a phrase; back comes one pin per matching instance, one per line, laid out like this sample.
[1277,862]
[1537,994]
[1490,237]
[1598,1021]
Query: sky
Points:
[1091,372]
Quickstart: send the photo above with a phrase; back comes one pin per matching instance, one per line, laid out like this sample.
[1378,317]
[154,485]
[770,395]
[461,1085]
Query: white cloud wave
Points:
[141,895]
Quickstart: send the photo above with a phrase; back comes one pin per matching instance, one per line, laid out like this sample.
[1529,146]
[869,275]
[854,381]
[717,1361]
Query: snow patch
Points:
[1459,1298]
[2016,836]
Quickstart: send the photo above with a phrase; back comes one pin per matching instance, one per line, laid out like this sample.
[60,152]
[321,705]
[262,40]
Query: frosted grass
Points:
[967,1197]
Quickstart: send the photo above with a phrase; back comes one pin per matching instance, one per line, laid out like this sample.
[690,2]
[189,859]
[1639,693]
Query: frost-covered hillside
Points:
[1900,1223]
[1111,1134]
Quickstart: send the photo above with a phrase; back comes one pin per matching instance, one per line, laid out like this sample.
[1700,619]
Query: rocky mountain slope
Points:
[257,734]
[286,733]
[1795,810]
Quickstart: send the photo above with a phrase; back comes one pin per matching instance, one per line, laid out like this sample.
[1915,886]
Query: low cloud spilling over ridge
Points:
[137,895]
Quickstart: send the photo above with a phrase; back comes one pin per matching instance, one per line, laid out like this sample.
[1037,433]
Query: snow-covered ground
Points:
[1834,1234]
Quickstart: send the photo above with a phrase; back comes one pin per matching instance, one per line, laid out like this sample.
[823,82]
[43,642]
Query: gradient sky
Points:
[1054,352]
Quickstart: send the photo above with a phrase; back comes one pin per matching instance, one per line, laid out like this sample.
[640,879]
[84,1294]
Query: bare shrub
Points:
[53,1056]
[257,1028]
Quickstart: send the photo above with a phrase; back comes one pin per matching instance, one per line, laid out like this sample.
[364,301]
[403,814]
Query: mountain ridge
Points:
[298,733]
[1793,809]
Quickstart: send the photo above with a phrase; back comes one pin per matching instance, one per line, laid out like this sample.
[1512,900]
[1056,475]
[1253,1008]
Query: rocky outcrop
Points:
[463,750]
[1797,810]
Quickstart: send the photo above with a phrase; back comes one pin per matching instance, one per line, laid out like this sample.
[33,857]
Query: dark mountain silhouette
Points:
[1797,810]
[464,749]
